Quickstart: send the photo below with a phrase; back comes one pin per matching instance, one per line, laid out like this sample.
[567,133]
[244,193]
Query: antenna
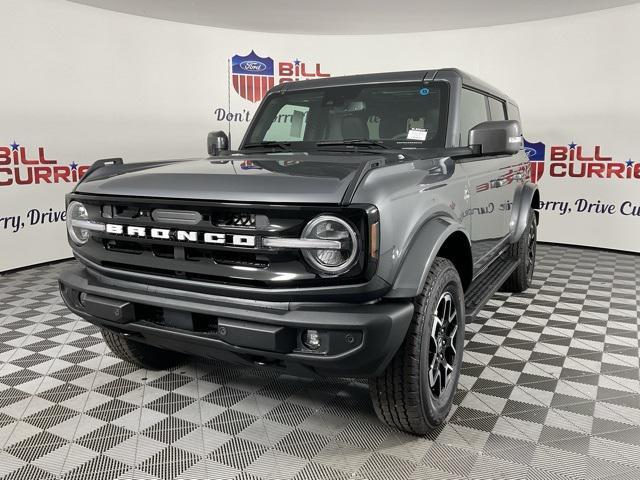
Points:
[229,99]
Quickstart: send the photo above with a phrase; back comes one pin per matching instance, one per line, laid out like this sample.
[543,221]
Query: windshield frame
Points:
[306,145]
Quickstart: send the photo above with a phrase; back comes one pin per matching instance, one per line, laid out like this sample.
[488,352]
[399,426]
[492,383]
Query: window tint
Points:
[496,107]
[473,110]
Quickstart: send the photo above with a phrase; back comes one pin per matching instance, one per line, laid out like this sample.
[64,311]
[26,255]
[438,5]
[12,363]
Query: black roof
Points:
[392,77]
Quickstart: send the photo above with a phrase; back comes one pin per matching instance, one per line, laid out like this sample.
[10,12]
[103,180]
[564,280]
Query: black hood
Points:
[261,177]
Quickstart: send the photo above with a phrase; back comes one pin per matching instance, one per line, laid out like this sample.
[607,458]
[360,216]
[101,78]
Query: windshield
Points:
[391,115]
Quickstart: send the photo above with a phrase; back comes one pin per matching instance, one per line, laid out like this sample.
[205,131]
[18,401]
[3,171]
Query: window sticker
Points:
[417,134]
[424,91]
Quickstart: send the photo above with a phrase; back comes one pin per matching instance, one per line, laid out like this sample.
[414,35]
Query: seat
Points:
[392,126]
[354,127]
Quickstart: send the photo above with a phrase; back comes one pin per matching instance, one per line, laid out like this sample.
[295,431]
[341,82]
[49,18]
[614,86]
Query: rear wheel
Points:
[415,392]
[141,354]
[525,251]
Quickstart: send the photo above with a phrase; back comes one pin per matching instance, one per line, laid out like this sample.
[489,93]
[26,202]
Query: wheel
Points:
[525,251]
[415,392]
[143,355]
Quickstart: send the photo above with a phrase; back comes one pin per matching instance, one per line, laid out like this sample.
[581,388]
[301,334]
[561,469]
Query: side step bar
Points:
[488,283]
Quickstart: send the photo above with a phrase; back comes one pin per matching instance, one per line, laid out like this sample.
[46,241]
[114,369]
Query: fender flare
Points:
[426,242]
[527,197]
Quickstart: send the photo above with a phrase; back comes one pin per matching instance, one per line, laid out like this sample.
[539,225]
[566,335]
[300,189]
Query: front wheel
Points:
[415,392]
[140,354]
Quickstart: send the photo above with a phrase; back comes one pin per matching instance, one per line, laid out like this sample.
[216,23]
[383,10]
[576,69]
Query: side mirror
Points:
[496,137]
[217,142]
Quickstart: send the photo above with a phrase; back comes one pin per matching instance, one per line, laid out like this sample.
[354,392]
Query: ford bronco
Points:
[361,222]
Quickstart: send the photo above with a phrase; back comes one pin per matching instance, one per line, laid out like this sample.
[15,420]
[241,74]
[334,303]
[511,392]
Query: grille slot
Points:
[149,313]
[205,323]
[225,258]
[122,246]
[163,251]
[237,220]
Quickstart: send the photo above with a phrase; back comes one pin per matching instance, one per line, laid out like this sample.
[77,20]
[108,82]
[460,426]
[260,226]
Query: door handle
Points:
[500,182]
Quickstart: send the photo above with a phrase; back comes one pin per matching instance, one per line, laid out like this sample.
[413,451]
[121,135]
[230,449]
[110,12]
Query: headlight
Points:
[79,225]
[331,261]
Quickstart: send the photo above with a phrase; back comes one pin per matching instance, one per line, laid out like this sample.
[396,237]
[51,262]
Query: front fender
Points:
[420,256]
[527,197]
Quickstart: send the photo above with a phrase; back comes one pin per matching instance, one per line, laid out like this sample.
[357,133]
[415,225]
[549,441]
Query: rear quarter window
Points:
[513,112]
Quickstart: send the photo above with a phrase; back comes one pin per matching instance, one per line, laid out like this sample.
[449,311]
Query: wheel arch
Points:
[527,197]
[439,236]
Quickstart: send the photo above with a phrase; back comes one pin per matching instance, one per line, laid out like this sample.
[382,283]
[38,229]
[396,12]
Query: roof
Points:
[393,77]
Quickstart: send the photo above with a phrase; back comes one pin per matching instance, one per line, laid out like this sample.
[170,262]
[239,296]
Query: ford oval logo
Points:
[253,66]
[530,151]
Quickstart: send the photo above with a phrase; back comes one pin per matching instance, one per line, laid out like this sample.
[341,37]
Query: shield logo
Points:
[252,76]
[536,154]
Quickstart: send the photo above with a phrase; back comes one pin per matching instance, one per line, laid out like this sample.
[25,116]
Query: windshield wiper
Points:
[268,144]
[359,142]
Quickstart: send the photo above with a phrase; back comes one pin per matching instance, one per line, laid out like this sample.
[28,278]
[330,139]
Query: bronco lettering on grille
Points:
[182,235]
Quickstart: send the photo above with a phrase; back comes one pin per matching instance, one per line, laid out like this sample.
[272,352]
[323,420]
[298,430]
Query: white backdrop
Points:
[81,83]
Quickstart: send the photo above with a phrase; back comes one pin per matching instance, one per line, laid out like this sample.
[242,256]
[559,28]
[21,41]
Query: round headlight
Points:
[77,216]
[336,260]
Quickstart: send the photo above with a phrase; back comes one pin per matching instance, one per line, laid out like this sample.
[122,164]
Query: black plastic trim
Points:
[383,326]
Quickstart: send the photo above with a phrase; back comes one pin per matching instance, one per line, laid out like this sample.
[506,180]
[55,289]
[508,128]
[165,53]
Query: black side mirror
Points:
[496,137]
[217,142]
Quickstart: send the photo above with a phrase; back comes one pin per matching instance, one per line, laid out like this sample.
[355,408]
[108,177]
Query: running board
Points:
[488,283]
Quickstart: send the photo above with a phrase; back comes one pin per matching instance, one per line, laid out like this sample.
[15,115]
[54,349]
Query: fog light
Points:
[311,339]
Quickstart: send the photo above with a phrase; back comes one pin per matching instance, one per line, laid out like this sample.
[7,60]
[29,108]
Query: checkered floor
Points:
[550,388]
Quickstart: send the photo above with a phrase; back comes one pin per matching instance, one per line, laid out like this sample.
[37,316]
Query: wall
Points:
[83,83]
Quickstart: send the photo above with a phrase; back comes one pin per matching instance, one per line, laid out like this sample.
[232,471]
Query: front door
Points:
[489,189]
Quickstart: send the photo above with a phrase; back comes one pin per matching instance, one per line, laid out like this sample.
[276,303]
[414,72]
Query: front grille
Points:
[233,254]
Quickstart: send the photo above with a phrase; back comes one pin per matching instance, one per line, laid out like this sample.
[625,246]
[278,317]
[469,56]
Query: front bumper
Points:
[357,340]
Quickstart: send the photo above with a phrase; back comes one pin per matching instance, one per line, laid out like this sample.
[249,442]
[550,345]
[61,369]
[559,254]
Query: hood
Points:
[262,177]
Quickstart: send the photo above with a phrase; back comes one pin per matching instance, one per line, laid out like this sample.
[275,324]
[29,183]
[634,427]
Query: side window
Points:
[496,107]
[289,124]
[473,110]
[513,112]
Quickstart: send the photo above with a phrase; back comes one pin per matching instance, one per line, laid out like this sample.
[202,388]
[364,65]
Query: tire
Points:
[525,251]
[140,354]
[410,395]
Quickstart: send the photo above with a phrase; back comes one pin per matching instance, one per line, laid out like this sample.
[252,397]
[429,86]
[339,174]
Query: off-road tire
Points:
[522,277]
[140,354]
[401,395]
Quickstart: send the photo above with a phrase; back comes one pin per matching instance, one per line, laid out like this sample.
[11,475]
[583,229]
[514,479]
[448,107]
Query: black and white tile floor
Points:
[550,389]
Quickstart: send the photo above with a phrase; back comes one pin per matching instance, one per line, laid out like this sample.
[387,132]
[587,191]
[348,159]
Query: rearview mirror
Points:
[217,142]
[496,137]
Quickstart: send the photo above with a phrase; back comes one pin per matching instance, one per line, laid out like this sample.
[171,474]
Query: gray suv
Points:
[362,221]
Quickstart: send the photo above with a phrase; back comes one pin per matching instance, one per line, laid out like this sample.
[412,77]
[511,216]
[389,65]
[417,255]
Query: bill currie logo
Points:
[578,161]
[252,75]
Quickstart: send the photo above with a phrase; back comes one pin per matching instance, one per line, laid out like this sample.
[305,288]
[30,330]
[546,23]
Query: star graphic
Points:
[296,61]
[629,163]
[14,146]
[73,165]
[572,145]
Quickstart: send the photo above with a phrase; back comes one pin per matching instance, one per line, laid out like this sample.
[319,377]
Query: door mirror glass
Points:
[217,142]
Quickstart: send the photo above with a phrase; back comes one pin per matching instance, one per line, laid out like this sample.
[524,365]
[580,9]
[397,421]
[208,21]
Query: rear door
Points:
[513,172]
[488,190]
